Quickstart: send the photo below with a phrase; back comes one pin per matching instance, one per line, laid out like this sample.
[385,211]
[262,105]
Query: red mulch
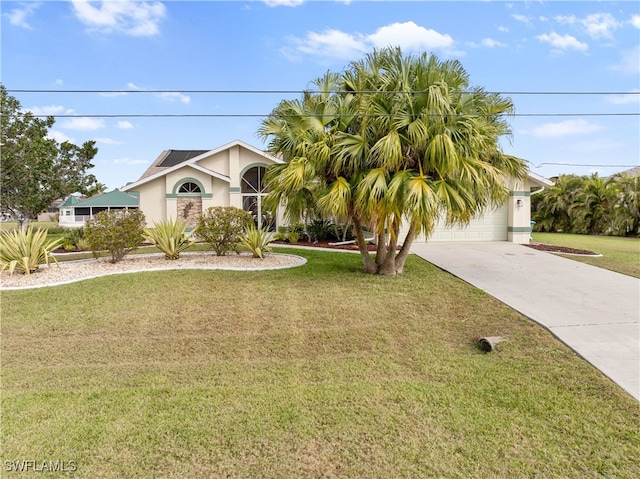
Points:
[560,249]
[325,244]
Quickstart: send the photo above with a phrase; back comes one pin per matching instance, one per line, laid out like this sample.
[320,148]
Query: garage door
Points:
[492,226]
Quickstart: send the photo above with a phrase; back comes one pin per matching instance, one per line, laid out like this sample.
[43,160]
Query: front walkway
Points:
[594,311]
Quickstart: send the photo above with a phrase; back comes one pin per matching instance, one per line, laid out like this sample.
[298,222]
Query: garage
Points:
[492,226]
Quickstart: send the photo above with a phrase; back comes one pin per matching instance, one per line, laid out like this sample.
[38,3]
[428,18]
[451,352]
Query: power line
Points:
[540,165]
[265,115]
[274,92]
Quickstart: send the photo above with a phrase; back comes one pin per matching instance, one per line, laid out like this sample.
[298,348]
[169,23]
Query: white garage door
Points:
[492,226]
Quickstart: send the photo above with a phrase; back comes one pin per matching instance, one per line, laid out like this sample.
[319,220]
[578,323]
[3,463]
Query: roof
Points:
[70,201]
[539,180]
[158,169]
[630,172]
[115,198]
[174,157]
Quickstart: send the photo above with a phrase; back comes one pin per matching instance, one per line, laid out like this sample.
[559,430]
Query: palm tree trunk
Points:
[405,250]
[370,266]
[388,266]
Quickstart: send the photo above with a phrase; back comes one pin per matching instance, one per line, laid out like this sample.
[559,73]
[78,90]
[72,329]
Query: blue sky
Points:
[271,45]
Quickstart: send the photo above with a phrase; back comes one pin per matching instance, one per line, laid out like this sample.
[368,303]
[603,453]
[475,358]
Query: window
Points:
[254,189]
[189,187]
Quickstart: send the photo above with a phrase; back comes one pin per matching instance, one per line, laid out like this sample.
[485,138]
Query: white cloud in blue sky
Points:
[564,128]
[127,16]
[19,15]
[163,52]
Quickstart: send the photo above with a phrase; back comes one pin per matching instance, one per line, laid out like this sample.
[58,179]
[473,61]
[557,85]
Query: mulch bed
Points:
[560,249]
[372,247]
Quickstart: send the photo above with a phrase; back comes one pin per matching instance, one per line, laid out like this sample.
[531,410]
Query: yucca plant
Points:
[26,250]
[256,241]
[169,236]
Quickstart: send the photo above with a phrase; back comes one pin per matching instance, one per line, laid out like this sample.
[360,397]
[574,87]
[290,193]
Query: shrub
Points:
[83,245]
[26,250]
[73,235]
[293,237]
[256,241]
[118,232]
[170,237]
[222,226]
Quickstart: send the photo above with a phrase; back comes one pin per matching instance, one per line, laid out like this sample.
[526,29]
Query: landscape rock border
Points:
[67,272]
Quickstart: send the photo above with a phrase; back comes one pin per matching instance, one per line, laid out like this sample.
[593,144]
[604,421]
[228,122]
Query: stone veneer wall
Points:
[189,210]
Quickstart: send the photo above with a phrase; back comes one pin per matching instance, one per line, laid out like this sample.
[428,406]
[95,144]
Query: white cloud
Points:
[125,125]
[336,44]
[59,136]
[18,16]
[330,43]
[563,42]
[169,95]
[628,62]
[491,43]
[174,95]
[563,128]
[521,18]
[410,36]
[625,99]
[283,3]
[112,94]
[597,25]
[126,16]
[635,21]
[83,123]
[108,141]
[50,110]
[503,29]
[129,161]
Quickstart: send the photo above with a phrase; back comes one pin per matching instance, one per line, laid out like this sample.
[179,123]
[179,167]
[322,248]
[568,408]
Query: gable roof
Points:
[190,158]
[115,198]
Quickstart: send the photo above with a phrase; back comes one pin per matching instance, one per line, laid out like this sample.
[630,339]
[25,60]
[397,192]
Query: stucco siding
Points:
[152,201]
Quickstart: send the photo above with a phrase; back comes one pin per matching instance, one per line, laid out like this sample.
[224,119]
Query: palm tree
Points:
[393,138]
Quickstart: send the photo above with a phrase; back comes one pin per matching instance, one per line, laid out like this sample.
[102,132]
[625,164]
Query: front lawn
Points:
[316,371]
[618,254]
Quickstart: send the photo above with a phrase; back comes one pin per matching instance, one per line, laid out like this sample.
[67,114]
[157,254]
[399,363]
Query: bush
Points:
[72,236]
[222,226]
[118,232]
[293,237]
[256,241]
[169,237]
[26,250]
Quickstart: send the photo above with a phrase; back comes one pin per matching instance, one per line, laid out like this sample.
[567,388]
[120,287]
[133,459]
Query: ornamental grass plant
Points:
[255,240]
[170,237]
[26,250]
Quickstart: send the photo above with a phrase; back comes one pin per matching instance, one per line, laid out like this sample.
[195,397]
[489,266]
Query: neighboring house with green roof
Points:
[74,212]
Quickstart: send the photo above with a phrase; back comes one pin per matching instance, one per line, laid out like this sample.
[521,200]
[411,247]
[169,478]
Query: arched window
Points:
[254,189]
[189,187]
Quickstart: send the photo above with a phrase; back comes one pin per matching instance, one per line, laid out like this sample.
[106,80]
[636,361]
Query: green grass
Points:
[618,254]
[316,371]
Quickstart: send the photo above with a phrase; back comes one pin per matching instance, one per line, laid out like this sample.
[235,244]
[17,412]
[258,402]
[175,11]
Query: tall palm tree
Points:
[393,139]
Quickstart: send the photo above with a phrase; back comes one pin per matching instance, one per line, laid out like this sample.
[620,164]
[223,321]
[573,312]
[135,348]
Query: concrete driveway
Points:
[594,311]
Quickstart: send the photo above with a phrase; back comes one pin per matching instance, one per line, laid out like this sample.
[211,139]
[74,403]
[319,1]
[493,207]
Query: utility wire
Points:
[262,115]
[274,92]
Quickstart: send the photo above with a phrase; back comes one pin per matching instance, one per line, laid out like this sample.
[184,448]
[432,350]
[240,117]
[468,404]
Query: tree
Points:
[37,170]
[391,139]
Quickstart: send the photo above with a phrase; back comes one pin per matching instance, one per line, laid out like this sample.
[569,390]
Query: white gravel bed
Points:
[72,271]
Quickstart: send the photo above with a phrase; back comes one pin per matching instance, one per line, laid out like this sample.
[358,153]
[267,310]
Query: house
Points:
[183,183]
[74,212]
